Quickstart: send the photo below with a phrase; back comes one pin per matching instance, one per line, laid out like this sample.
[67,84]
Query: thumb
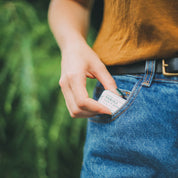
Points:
[103,75]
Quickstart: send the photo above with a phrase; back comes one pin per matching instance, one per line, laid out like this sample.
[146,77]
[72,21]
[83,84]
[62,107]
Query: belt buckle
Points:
[164,65]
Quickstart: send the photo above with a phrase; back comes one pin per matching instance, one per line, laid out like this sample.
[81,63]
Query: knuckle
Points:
[81,103]
[72,115]
[70,76]
[61,82]
[75,113]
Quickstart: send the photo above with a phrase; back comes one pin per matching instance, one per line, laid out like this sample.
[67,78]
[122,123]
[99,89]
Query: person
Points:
[136,51]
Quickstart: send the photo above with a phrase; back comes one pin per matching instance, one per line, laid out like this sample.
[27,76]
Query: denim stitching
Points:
[140,76]
[146,74]
[148,81]
[131,101]
[165,80]
[126,106]
[151,73]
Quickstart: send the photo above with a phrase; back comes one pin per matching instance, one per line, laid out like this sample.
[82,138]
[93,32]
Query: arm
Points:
[69,21]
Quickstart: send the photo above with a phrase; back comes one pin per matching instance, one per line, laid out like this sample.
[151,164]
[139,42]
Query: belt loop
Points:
[149,73]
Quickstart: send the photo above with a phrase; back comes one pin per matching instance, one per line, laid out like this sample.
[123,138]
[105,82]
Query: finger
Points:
[77,112]
[103,75]
[68,96]
[71,105]
[78,87]
[74,110]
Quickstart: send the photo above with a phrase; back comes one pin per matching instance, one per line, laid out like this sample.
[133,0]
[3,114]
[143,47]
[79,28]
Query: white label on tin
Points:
[112,101]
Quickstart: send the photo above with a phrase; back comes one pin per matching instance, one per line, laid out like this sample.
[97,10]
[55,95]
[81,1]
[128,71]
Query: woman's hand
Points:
[69,22]
[79,62]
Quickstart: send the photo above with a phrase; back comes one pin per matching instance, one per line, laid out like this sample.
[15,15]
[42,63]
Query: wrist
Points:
[72,43]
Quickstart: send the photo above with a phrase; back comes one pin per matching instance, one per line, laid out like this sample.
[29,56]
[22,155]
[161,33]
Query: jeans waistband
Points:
[150,73]
[168,67]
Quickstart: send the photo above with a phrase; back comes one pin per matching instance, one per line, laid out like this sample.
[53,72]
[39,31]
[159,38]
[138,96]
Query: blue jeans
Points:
[140,140]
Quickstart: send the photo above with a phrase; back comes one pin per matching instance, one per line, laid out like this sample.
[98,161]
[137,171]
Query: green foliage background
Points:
[38,139]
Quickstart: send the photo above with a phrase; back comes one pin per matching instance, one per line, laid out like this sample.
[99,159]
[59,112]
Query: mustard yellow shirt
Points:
[134,30]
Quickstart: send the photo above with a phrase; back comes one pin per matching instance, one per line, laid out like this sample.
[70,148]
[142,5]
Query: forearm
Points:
[69,21]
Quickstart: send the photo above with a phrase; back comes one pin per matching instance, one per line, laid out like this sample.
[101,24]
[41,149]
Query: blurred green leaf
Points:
[38,138]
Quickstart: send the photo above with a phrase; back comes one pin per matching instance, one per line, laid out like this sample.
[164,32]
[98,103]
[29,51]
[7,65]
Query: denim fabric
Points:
[140,140]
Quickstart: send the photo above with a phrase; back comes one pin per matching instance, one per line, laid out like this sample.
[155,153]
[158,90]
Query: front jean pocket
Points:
[129,85]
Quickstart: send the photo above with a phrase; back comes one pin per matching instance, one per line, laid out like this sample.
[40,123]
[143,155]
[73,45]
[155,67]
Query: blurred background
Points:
[38,139]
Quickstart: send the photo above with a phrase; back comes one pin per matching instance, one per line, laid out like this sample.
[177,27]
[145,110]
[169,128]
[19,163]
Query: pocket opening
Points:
[130,100]
[131,96]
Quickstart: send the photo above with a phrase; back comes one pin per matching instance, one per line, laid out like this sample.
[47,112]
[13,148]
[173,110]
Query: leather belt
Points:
[168,67]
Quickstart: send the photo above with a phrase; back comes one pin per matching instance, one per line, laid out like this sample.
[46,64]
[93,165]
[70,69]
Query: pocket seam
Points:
[116,115]
[124,108]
